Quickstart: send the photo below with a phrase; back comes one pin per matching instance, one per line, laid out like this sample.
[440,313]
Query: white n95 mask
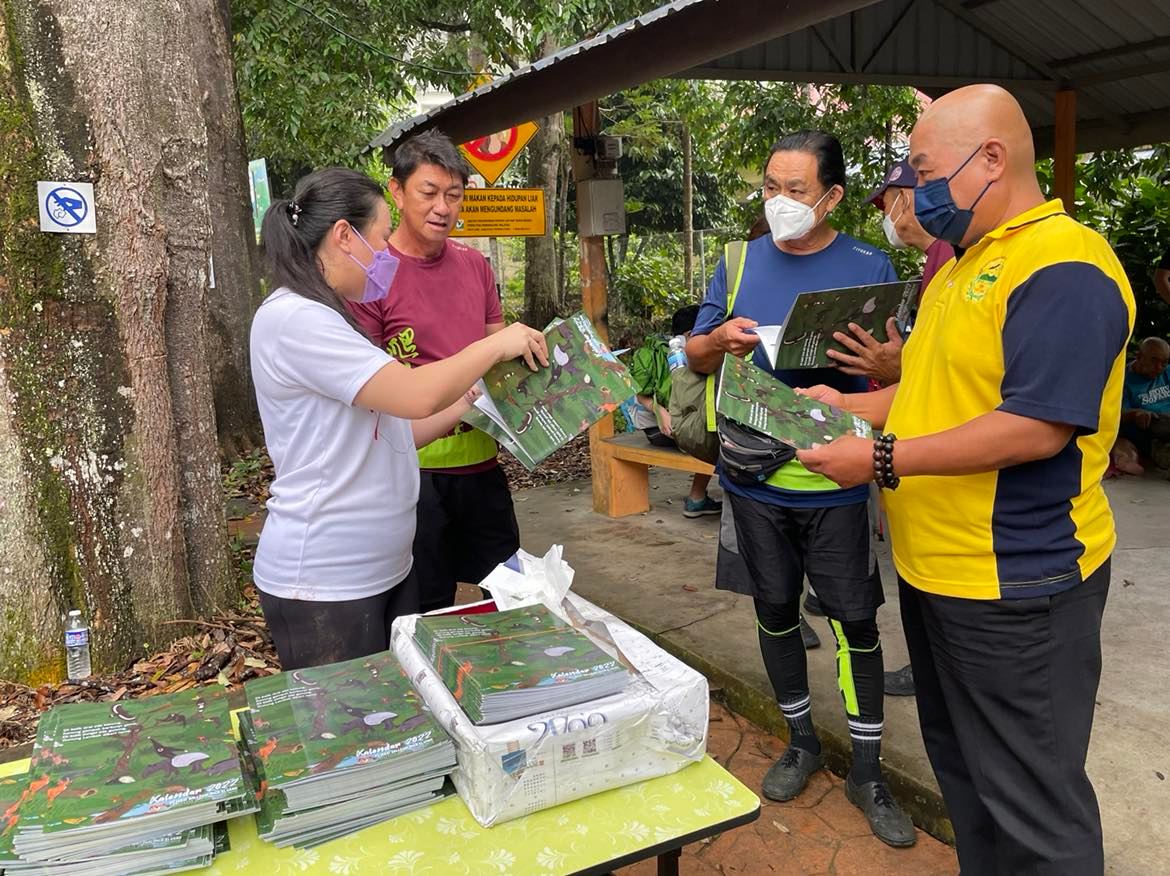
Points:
[789,219]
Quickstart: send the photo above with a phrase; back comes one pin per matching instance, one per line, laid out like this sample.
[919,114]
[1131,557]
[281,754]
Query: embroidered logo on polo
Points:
[978,288]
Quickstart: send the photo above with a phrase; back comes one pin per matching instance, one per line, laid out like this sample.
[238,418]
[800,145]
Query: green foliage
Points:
[1125,195]
[1140,236]
[245,471]
[649,281]
[319,79]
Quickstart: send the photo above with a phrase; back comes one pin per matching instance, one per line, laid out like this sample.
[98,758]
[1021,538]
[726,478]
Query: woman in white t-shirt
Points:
[342,420]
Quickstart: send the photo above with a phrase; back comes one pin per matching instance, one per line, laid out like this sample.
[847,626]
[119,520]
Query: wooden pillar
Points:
[587,123]
[1065,151]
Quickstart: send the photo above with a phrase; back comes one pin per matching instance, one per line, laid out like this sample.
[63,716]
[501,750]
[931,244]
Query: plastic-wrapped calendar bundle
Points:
[655,726]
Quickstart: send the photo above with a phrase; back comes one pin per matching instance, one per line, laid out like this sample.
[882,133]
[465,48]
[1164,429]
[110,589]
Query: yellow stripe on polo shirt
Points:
[1031,320]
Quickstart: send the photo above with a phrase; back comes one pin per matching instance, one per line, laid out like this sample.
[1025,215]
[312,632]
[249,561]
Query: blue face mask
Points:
[936,209]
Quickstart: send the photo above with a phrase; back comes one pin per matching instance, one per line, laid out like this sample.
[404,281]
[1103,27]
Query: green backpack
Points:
[692,396]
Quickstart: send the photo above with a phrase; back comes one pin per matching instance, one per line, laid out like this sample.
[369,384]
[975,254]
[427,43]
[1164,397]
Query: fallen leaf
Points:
[255,663]
[690,588]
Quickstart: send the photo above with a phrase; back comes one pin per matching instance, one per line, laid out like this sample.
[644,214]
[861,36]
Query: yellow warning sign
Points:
[501,213]
[491,155]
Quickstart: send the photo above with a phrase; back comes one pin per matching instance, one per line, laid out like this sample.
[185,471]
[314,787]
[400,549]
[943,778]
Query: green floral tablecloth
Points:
[444,840]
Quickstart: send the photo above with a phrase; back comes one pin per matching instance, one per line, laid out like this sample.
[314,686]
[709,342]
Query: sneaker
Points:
[808,635]
[900,683]
[789,775]
[886,819]
[812,605]
[704,507]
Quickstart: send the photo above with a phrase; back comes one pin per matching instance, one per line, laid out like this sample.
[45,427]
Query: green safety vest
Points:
[468,446]
[792,475]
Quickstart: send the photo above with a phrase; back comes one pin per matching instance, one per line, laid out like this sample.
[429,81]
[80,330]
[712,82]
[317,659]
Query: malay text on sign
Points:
[501,213]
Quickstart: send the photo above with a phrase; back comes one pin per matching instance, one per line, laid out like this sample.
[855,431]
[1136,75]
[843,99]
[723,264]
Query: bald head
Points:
[984,126]
[1152,358]
[967,117]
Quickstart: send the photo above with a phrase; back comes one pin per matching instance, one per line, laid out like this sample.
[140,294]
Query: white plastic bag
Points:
[656,726]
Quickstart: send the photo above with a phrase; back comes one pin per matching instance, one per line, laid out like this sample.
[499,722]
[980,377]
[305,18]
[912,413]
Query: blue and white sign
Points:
[66,207]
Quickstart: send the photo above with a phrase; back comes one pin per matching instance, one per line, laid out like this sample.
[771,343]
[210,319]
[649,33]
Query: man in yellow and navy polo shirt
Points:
[1002,535]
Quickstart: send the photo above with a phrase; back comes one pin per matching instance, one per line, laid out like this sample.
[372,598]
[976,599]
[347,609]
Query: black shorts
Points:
[780,546]
[466,527]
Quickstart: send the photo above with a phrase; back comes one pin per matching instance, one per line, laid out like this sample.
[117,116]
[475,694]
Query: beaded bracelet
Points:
[883,462]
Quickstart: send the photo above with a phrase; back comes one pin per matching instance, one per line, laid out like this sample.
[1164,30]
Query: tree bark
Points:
[540,256]
[236,294]
[112,497]
[563,226]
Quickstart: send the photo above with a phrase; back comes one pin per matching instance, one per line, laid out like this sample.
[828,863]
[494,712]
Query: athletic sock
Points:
[798,716]
[860,676]
[866,735]
[785,660]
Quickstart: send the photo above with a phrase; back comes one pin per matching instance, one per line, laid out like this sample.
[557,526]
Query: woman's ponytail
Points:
[293,229]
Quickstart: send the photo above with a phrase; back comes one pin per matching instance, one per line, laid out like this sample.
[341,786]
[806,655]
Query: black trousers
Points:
[1006,690]
[315,633]
[466,527]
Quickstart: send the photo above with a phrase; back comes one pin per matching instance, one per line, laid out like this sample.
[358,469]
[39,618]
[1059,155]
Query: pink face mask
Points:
[379,274]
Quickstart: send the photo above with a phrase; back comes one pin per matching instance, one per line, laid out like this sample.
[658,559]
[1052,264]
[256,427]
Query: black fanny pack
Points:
[749,457]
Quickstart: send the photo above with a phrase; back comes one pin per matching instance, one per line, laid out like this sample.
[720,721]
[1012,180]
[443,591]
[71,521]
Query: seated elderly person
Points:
[1145,407]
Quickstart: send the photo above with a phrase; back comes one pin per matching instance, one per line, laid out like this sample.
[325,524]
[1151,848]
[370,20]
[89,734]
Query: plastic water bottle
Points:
[77,647]
[677,357]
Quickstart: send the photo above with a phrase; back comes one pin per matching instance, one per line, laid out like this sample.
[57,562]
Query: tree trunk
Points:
[540,255]
[688,214]
[110,475]
[563,226]
[236,295]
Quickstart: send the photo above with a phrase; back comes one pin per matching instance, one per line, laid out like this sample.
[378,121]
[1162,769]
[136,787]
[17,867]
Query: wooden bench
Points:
[621,471]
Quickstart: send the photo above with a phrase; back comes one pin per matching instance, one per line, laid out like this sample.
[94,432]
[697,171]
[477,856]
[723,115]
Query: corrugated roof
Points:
[1115,54]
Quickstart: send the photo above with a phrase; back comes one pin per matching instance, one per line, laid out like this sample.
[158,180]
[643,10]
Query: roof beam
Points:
[826,77]
[1106,76]
[1143,129]
[1161,42]
[651,47]
[881,44]
[831,49]
[1008,43]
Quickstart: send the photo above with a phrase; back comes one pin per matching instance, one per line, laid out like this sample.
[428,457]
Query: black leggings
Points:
[314,633]
[859,658]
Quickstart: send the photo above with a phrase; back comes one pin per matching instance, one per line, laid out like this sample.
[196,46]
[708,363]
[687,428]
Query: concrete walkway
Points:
[656,571]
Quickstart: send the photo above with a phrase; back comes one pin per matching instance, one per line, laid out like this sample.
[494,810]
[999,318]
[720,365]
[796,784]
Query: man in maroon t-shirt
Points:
[444,298]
